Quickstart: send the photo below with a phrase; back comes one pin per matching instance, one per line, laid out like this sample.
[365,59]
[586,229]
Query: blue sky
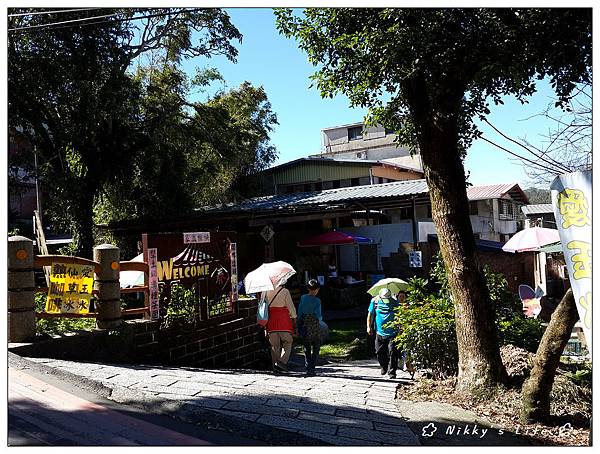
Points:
[275,62]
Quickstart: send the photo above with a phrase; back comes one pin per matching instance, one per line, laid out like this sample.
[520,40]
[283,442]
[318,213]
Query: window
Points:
[429,215]
[406,213]
[335,184]
[355,133]
[306,188]
[355,182]
[318,186]
[289,189]
[507,211]
[473,208]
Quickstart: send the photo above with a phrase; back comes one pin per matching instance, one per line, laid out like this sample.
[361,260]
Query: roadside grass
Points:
[348,340]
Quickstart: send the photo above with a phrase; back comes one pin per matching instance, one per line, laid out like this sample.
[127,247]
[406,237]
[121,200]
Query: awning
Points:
[333,239]
[553,248]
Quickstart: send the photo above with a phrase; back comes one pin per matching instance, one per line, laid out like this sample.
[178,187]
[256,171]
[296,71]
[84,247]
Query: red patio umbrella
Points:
[334,238]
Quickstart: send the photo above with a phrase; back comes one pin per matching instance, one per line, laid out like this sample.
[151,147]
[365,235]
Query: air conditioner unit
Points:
[361,155]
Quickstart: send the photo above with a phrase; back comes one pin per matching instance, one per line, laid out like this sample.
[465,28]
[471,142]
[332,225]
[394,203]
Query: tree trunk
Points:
[82,223]
[480,368]
[535,395]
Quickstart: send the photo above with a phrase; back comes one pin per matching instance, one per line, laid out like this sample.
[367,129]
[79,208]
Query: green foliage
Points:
[426,322]
[582,376]
[59,326]
[71,94]
[536,195]
[183,307]
[426,329]
[347,340]
[456,58]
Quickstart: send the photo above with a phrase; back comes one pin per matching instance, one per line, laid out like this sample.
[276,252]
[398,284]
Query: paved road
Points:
[40,413]
[346,404]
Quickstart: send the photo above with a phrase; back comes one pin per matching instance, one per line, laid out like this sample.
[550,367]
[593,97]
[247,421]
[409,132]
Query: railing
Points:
[47,260]
[21,287]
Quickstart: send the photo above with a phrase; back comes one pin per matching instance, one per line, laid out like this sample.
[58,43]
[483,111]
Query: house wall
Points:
[395,174]
[374,142]
[517,268]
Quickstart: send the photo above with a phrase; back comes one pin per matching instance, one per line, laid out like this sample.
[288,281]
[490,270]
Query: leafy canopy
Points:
[459,57]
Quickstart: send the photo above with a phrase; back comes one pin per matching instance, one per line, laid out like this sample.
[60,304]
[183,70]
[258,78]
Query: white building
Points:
[356,141]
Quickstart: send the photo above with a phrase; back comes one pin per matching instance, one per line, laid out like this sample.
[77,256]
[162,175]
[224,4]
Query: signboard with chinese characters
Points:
[415,259]
[196,237]
[70,289]
[204,262]
[572,204]
[153,284]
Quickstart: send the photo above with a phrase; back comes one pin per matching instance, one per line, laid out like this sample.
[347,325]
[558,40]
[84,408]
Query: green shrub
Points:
[182,307]
[427,330]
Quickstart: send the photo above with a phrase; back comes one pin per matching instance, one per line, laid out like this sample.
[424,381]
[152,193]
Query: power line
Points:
[51,12]
[30,27]
[52,26]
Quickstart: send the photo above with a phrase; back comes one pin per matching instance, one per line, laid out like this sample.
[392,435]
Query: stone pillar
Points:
[108,306]
[21,290]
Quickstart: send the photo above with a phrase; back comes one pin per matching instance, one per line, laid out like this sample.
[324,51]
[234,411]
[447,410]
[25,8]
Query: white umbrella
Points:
[132,278]
[531,239]
[268,276]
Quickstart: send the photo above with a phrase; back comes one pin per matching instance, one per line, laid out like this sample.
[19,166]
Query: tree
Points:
[566,147]
[197,152]
[535,394]
[538,196]
[427,73]
[70,91]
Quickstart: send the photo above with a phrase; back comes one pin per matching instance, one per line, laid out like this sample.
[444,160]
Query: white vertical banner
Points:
[153,283]
[234,271]
[572,205]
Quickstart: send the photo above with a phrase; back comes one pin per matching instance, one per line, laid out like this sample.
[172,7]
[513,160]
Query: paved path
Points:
[346,404]
[42,414]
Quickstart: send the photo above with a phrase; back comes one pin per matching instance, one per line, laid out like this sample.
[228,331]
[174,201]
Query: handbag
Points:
[262,312]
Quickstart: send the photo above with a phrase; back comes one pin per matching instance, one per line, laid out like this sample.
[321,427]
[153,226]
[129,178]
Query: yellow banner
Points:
[70,289]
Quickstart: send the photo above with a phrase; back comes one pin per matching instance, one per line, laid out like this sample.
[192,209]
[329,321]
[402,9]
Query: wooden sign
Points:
[70,289]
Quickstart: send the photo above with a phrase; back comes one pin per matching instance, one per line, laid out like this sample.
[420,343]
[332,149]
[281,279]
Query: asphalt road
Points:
[45,411]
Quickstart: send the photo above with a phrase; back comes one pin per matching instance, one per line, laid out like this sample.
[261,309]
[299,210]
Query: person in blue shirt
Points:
[381,310]
[309,318]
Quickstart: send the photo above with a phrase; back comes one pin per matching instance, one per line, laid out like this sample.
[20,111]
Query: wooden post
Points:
[21,286]
[108,306]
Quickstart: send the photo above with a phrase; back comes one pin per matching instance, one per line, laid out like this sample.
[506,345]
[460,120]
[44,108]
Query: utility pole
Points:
[38,200]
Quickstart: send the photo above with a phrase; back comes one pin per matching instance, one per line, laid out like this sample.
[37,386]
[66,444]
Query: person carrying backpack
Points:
[381,310]
[309,319]
[280,326]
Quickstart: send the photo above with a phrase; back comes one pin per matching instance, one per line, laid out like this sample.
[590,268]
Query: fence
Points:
[106,263]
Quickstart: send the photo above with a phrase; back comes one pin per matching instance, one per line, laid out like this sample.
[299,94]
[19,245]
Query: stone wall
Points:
[230,342]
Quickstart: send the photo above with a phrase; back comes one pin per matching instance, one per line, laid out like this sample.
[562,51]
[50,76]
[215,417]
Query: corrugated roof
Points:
[493,191]
[348,194]
[330,196]
[541,208]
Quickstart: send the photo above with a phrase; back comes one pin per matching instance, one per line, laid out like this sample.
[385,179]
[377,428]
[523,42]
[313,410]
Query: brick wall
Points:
[234,343]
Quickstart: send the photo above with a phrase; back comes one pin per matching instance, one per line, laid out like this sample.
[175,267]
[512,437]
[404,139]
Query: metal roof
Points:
[541,208]
[495,191]
[340,196]
[329,196]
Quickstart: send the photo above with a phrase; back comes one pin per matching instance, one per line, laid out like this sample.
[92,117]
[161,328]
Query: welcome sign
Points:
[203,261]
